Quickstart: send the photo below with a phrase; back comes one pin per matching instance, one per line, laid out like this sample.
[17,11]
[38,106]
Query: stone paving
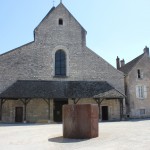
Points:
[125,135]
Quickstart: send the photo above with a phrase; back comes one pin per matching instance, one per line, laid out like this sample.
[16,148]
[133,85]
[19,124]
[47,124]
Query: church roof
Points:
[128,67]
[60,89]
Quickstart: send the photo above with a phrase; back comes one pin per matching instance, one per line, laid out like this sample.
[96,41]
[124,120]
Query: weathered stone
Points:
[36,61]
[138,107]
[80,121]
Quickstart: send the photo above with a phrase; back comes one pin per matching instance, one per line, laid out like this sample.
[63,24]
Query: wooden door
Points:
[19,114]
[104,113]
[58,103]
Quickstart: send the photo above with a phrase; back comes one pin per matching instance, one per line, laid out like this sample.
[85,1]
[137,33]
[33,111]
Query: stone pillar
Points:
[51,110]
[121,108]
[124,108]
[0,110]
[48,102]
[25,113]
[25,103]
[2,101]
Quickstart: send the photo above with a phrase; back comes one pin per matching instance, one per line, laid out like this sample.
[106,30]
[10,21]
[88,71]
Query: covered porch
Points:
[58,92]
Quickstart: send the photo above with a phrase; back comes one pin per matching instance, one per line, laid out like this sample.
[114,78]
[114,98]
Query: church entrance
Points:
[104,113]
[58,103]
[19,114]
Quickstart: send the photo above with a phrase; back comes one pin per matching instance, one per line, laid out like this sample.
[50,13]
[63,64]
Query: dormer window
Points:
[139,74]
[60,21]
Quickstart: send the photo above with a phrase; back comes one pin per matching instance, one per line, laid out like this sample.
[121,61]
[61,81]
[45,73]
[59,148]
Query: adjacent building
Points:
[57,68]
[137,85]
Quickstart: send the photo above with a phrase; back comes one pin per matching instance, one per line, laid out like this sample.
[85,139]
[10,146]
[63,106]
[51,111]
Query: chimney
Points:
[118,62]
[122,62]
[146,50]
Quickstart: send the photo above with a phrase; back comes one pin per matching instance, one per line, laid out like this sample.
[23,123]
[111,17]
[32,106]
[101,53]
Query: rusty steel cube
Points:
[80,121]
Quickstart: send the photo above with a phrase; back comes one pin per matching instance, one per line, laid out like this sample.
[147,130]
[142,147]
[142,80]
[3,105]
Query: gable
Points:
[36,61]
[60,13]
[143,65]
[69,30]
[129,66]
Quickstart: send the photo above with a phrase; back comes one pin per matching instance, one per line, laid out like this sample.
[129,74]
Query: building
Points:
[57,68]
[137,85]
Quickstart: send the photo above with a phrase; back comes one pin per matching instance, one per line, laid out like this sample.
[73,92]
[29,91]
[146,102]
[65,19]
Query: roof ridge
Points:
[134,59]
[128,67]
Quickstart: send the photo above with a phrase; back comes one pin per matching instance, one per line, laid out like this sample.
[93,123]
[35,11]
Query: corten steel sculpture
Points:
[80,121]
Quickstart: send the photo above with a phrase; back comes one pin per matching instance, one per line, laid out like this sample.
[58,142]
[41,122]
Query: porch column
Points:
[0,109]
[51,110]
[48,101]
[99,101]
[121,109]
[25,102]
[25,112]
[124,107]
[99,108]
[2,101]
[75,100]
[48,110]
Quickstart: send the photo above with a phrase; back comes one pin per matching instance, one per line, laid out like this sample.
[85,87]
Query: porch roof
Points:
[23,89]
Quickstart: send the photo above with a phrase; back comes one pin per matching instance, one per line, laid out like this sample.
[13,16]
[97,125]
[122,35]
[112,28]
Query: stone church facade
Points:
[57,68]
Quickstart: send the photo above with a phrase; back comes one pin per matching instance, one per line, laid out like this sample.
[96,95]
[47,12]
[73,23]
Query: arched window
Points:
[60,63]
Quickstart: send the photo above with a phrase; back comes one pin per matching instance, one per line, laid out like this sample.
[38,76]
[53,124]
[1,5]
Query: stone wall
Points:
[113,107]
[37,110]
[134,103]
[36,61]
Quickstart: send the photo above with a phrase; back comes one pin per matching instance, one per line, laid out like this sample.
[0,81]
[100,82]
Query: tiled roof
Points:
[110,94]
[128,67]
[59,89]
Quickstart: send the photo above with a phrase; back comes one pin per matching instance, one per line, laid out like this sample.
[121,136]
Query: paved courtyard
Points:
[125,135]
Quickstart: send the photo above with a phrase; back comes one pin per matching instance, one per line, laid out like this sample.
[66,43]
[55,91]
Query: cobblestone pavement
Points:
[125,135]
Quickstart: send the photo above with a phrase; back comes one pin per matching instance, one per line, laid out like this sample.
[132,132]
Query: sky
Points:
[114,27]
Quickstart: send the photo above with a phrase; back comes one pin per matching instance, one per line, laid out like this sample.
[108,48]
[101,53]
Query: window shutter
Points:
[137,91]
[141,75]
[145,91]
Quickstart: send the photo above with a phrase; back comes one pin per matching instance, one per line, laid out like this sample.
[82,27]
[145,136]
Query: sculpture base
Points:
[80,121]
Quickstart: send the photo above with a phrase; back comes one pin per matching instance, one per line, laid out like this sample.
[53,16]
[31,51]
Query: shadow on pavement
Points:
[137,120]
[20,124]
[60,139]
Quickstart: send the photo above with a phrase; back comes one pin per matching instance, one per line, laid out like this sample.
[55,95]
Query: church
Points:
[57,68]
